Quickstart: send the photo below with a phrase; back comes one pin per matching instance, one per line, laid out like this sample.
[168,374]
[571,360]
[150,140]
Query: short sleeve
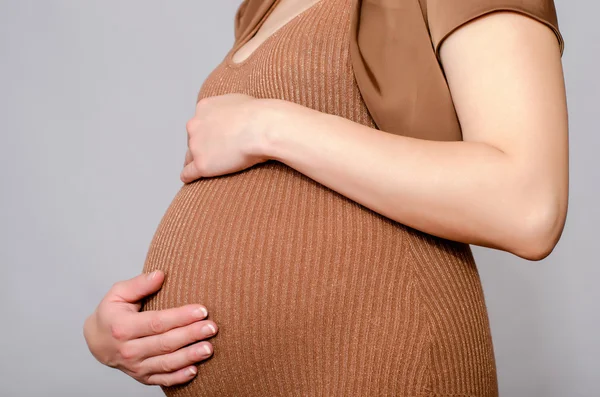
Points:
[445,16]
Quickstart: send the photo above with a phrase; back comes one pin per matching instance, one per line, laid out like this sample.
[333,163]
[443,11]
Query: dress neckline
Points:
[252,33]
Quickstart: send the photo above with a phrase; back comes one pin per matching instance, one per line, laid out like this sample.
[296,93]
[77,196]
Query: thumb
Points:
[136,288]
[190,173]
[188,157]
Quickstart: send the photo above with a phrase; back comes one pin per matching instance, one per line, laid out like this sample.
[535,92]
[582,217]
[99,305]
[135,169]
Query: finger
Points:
[190,173]
[155,322]
[182,376]
[170,341]
[136,288]
[188,157]
[179,359]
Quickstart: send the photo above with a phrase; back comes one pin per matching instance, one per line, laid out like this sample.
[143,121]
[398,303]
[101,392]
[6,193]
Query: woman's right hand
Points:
[150,346]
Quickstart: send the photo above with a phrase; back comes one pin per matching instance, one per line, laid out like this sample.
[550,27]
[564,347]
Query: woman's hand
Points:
[223,137]
[150,346]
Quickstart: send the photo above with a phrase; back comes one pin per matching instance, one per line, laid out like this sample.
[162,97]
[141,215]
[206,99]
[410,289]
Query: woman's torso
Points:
[315,294]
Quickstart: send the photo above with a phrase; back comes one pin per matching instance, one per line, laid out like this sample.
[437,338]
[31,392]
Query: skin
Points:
[279,16]
[150,346]
[505,186]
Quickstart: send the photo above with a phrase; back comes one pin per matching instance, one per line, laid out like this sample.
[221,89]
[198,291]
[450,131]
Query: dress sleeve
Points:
[445,16]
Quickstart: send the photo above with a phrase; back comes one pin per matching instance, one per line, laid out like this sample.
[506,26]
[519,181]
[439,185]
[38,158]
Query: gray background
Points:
[94,96]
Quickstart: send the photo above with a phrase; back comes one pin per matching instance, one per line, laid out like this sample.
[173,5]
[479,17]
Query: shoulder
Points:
[444,17]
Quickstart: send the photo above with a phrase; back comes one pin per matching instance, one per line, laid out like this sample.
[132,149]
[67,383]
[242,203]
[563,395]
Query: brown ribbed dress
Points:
[315,294]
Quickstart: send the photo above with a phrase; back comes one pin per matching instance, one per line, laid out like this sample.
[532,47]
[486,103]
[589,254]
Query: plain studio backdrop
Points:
[94,97]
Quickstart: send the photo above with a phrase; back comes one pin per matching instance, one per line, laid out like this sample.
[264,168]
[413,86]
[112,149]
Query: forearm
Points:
[463,191]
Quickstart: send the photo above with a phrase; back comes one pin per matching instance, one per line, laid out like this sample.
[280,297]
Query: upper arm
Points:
[505,76]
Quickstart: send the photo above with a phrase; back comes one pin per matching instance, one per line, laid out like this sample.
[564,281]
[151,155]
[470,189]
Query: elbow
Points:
[539,228]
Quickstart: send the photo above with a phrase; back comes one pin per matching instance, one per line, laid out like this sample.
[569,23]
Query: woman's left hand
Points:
[223,137]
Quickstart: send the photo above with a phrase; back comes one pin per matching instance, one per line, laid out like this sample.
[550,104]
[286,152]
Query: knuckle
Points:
[110,361]
[157,325]
[202,102]
[165,365]
[127,353]
[191,125]
[164,381]
[117,286]
[163,345]
[117,331]
[144,381]
[147,380]
[135,370]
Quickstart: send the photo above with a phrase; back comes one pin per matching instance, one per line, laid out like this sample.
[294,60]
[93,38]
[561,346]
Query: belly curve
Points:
[293,273]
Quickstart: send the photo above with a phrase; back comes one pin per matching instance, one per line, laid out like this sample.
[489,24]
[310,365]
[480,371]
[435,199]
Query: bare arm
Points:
[505,186]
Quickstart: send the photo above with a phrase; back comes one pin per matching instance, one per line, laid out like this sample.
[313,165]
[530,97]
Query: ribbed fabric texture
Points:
[315,294]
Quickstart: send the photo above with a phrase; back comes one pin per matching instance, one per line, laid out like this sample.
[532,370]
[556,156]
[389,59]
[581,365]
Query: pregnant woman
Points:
[339,164]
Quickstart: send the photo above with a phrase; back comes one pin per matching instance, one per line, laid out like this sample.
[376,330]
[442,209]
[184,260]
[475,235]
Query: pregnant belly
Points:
[309,289]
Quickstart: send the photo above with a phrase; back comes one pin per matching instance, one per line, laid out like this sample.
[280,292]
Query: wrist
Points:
[268,116]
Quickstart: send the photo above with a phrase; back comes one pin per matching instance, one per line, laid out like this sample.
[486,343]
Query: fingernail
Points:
[212,329]
[206,349]
[192,370]
[152,275]
[200,312]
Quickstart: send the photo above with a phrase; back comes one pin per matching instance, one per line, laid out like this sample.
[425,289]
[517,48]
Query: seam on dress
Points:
[411,260]
[428,391]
